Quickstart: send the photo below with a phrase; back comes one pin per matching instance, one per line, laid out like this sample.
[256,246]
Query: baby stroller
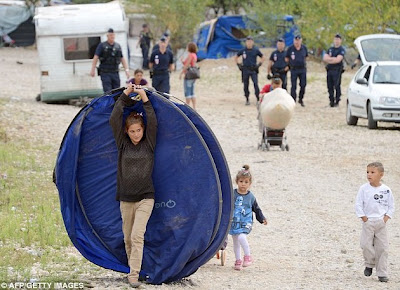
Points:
[272,137]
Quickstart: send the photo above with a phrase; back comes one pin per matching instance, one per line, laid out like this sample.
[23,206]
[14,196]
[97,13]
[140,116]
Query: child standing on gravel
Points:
[245,204]
[375,206]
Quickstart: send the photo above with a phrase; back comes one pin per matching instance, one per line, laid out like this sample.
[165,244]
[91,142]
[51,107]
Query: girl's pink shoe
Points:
[238,265]
[248,260]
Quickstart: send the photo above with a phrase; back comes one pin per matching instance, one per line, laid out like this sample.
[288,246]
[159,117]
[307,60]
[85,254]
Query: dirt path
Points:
[312,239]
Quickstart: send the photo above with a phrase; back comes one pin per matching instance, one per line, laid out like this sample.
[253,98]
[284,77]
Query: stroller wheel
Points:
[287,147]
[268,146]
[223,257]
[263,147]
[283,147]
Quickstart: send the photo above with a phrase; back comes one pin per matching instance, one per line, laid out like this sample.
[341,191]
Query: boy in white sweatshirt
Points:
[375,206]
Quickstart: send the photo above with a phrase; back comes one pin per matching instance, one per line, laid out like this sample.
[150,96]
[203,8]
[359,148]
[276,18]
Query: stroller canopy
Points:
[193,190]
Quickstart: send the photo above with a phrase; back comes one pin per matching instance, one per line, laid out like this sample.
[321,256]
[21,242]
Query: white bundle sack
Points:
[277,109]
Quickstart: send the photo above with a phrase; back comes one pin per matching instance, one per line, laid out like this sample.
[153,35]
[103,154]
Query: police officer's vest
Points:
[111,56]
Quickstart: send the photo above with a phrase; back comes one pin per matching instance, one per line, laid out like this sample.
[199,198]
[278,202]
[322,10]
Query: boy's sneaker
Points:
[383,279]
[248,260]
[238,265]
[247,102]
[367,271]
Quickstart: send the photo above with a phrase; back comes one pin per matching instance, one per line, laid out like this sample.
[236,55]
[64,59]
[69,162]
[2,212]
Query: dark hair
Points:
[137,71]
[192,47]
[134,118]
[277,80]
[243,173]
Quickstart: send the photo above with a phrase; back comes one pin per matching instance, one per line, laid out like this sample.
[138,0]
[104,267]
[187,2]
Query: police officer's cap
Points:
[281,40]
[110,30]
[166,34]
[338,36]
[249,37]
[298,36]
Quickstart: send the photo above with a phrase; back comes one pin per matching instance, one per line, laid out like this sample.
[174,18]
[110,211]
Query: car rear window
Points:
[381,49]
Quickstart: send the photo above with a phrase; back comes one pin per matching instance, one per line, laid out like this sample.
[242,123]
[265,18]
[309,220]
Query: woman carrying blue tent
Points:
[135,189]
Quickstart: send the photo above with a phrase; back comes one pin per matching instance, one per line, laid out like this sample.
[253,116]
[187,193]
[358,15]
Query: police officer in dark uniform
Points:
[161,64]
[296,56]
[167,38]
[249,67]
[145,38]
[110,54]
[334,59]
[277,63]
[356,61]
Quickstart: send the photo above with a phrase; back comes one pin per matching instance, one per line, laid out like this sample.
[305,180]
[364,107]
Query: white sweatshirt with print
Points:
[374,202]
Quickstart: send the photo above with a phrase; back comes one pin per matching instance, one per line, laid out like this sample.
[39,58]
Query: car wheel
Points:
[372,124]
[350,119]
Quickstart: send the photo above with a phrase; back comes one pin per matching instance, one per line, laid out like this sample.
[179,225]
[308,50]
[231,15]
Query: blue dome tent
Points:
[193,198]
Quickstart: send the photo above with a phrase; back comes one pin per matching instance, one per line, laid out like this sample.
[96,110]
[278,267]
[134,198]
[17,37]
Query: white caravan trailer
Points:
[67,37]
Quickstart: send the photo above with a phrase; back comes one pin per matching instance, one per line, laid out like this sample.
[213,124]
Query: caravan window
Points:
[80,48]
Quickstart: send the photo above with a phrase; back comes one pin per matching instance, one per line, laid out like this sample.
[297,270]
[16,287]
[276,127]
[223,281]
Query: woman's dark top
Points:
[135,162]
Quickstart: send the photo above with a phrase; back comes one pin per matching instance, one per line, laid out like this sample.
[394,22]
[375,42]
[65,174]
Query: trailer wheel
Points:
[38,98]
[287,147]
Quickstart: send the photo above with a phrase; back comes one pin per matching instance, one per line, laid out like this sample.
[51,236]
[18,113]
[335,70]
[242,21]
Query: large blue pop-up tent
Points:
[193,198]
[224,36]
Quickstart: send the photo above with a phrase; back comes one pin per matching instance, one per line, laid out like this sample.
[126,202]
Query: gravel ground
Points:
[308,193]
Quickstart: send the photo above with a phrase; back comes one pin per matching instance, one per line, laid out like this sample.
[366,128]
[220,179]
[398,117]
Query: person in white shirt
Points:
[375,206]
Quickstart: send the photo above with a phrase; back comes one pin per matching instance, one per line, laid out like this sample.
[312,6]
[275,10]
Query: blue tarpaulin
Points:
[225,35]
[193,191]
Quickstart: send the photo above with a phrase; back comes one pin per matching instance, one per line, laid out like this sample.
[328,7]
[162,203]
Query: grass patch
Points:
[31,226]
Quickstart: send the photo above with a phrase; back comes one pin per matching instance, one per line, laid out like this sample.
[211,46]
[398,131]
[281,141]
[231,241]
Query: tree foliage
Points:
[225,5]
[320,20]
[180,17]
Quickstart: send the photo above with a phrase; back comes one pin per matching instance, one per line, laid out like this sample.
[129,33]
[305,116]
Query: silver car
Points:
[374,92]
